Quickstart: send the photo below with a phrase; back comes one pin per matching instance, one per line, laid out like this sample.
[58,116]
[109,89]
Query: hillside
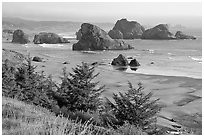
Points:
[51,26]
[19,118]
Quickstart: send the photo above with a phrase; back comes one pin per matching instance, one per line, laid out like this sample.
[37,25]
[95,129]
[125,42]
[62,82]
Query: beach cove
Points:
[175,77]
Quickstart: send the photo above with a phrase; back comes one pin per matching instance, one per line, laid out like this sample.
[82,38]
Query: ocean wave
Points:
[51,45]
[198,59]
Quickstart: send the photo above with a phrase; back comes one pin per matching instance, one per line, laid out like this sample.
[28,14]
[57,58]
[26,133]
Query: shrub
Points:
[8,79]
[134,107]
[77,91]
[27,85]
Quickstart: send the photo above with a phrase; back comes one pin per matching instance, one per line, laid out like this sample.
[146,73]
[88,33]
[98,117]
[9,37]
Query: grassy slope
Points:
[24,119]
[19,118]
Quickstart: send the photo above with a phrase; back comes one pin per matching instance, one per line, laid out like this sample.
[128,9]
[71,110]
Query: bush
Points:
[8,79]
[27,85]
[134,107]
[78,92]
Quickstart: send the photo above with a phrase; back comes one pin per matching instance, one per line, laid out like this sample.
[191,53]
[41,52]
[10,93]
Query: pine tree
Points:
[78,92]
[134,107]
[34,87]
[8,79]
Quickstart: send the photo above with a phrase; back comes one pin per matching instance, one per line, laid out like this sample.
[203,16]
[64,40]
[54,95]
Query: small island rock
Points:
[120,61]
[20,37]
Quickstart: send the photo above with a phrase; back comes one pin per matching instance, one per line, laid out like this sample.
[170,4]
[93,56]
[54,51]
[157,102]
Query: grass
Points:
[19,118]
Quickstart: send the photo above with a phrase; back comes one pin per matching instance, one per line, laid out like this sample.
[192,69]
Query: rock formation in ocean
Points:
[159,32]
[49,38]
[78,35]
[94,38]
[120,61]
[20,37]
[181,35]
[37,59]
[134,63]
[129,29]
[115,34]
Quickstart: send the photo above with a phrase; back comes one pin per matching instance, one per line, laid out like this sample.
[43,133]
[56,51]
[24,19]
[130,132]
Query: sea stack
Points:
[49,38]
[20,37]
[181,35]
[129,29]
[94,38]
[159,32]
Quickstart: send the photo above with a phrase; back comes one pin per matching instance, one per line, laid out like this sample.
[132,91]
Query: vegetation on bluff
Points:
[78,101]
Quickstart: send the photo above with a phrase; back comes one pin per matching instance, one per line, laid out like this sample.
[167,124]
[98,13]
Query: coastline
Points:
[179,94]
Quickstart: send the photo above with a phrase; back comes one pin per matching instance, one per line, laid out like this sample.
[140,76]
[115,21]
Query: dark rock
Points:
[134,63]
[133,68]
[94,63]
[129,57]
[152,62]
[159,32]
[78,35]
[66,62]
[120,61]
[94,38]
[98,63]
[115,34]
[129,29]
[181,35]
[20,37]
[37,59]
[49,38]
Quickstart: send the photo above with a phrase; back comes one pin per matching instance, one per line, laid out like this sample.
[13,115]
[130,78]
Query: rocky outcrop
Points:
[129,29]
[120,61]
[49,38]
[20,37]
[37,59]
[159,32]
[134,63]
[94,38]
[181,35]
[78,35]
[115,34]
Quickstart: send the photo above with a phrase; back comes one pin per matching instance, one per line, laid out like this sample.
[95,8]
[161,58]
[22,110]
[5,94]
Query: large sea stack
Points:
[94,38]
[49,38]
[159,32]
[20,37]
[181,35]
[129,29]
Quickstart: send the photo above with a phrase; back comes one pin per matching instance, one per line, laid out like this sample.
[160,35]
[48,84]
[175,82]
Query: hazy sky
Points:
[185,13]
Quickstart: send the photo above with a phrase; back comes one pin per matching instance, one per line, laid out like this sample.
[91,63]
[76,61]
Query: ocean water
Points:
[157,57]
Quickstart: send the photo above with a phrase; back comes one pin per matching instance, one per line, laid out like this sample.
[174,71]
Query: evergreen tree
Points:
[8,79]
[134,107]
[77,91]
[33,87]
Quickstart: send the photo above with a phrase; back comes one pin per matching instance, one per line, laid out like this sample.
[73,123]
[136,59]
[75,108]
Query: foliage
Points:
[78,92]
[8,79]
[27,85]
[78,98]
[134,107]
